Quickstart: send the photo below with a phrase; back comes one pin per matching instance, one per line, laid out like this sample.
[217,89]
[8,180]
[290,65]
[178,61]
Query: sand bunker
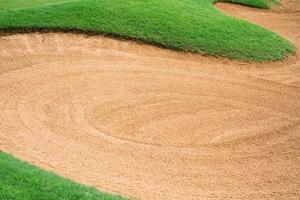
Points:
[151,123]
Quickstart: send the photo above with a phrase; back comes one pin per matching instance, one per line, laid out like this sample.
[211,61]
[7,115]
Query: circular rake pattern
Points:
[147,122]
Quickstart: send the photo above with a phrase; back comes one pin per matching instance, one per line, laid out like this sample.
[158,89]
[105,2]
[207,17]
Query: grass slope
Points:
[254,3]
[190,25]
[18,4]
[21,181]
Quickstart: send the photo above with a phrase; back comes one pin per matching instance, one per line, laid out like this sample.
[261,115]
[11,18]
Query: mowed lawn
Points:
[189,25]
[254,3]
[21,181]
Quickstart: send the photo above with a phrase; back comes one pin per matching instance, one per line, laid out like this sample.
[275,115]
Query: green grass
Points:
[18,4]
[189,25]
[254,3]
[22,181]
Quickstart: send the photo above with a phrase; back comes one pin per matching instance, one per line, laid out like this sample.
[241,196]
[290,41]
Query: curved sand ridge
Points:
[151,123]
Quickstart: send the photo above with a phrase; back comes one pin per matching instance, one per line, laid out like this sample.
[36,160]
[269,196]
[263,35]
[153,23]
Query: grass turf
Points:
[22,181]
[189,25]
[254,3]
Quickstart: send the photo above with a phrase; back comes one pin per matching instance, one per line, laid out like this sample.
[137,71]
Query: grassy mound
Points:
[21,181]
[254,3]
[190,25]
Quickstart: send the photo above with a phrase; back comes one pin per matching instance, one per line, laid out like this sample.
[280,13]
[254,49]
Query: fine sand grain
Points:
[151,123]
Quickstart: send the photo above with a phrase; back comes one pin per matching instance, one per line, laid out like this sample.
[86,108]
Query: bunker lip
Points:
[152,123]
[258,45]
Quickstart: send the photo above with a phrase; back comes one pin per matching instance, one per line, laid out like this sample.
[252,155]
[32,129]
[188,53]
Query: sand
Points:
[151,123]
